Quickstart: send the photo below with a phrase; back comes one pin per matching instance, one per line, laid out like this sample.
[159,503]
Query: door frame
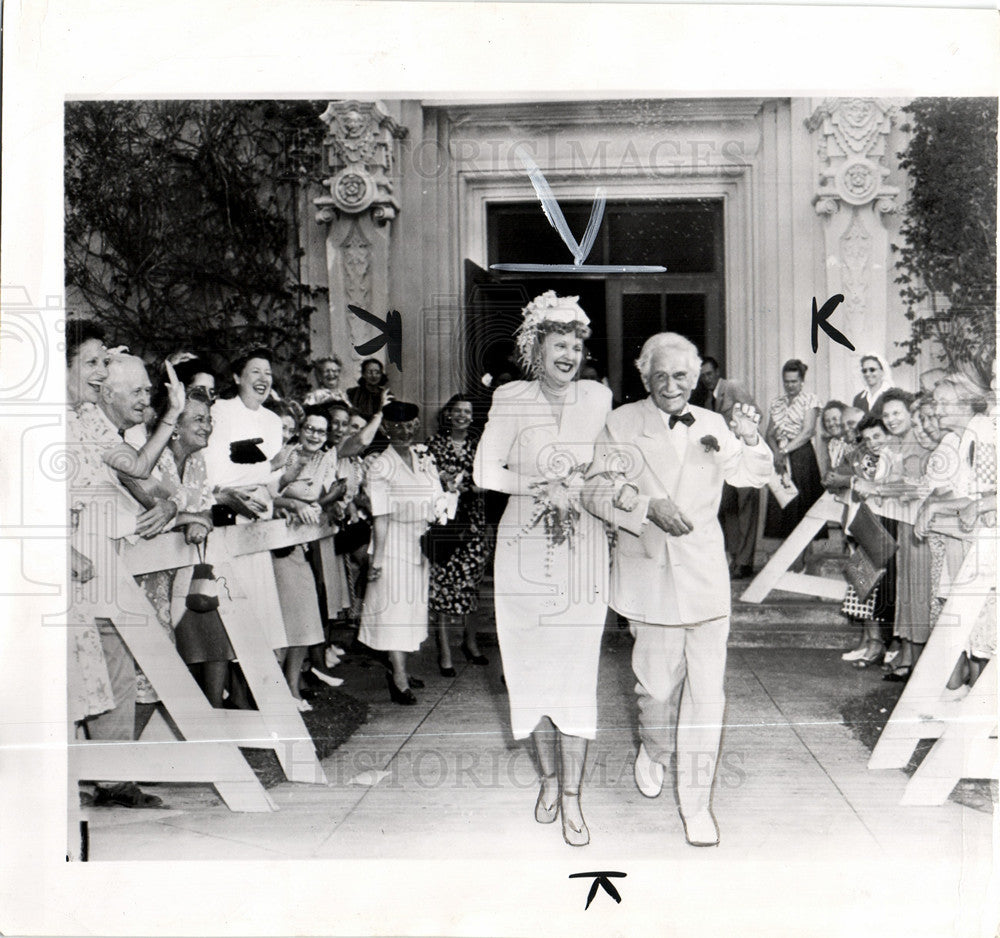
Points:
[711,286]
[477,190]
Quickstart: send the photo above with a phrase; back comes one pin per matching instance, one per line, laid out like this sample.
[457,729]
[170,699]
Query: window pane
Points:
[521,234]
[678,235]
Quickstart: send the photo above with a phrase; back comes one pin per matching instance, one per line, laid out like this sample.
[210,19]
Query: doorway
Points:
[683,235]
[638,307]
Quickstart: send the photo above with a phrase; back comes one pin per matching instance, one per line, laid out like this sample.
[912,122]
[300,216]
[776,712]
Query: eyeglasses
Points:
[314,431]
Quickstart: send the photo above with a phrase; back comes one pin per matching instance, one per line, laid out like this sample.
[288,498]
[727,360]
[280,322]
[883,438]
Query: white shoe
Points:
[336,649]
[331,658]
[955,696]
[700,829]
[303,705]
[648,774]
[855,653]
[327,679]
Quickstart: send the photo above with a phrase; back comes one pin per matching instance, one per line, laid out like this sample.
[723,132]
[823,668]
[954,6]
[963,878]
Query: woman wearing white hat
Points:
[551,561]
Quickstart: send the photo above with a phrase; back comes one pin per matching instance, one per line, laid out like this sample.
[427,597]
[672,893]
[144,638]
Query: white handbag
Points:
[782,488]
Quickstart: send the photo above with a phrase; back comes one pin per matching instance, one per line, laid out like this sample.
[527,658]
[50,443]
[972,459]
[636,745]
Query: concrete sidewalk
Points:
[792,785]
[812,842]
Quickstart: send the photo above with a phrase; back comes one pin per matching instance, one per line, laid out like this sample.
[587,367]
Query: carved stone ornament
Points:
[356,261]
[856,254]
[358,153]
[852,146]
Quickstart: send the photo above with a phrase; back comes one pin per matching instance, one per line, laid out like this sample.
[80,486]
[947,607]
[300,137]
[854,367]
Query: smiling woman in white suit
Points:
[551,562]
[669,573]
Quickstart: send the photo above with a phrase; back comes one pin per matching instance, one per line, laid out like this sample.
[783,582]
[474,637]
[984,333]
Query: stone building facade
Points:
[755,206]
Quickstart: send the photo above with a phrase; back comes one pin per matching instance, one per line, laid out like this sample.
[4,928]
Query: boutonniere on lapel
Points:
[710,443]
[422,454]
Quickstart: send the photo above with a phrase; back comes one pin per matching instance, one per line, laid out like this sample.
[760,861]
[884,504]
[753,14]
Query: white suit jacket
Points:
[656,577]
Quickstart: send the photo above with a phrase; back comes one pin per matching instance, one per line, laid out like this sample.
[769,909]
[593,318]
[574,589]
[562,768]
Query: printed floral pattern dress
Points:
[166,589]
[454,586]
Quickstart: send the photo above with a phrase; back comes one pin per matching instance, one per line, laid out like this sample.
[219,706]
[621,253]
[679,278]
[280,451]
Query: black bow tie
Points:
[686,419]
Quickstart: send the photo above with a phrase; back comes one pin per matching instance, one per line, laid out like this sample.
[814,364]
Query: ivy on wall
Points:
[948,263]
[182,227]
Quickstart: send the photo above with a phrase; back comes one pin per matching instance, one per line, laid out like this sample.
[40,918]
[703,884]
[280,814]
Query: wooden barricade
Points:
[776,573]
[965,729]
[208,751]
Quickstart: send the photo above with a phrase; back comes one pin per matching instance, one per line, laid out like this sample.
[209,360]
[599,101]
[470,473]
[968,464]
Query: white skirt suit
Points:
[551,600]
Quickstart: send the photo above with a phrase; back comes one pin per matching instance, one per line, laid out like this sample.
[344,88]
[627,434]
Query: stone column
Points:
[853,198]
[357,210]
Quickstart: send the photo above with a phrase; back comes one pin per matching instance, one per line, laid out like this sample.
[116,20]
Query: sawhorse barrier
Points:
[209,748]
[776,573]
[966,729]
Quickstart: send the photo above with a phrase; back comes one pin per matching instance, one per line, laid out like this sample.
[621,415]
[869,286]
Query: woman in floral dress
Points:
[454,590]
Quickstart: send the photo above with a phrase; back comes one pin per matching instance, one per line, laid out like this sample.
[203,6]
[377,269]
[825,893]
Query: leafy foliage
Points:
[181,224]
[948,262]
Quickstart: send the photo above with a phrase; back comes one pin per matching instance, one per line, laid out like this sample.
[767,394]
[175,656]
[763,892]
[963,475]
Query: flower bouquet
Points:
[557,509]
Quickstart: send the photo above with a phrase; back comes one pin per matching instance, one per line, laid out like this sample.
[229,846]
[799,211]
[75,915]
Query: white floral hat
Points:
[545,308]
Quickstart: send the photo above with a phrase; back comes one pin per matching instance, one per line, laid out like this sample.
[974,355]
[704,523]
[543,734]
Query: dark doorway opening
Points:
[685,236]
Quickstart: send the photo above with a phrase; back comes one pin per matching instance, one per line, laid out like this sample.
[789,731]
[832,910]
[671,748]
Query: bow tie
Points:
[686,419]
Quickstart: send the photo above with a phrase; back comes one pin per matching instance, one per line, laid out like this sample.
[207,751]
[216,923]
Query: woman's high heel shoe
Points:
[475,659]
[871,658]
[446,672]
[546,814]
[574,835]
[397,696]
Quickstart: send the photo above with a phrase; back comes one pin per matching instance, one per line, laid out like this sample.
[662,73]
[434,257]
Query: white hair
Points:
[668,342]
[120,361]
[966,390]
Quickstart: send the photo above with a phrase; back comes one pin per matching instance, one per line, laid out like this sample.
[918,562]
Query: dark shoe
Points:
[475,659]
[447,672]
[397,696]
[871,659]
[899,675]
[415,682]
[126,795]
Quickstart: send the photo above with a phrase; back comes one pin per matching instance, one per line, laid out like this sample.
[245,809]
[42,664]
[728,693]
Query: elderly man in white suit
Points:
[669,574]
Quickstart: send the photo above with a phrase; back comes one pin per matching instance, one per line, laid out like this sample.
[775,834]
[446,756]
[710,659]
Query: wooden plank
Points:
[255,538]
[168,551]
[923,711]
[809,585]
[277,724]
[220,764]
[202,725]
[826,509]
[967,748]
[277,708]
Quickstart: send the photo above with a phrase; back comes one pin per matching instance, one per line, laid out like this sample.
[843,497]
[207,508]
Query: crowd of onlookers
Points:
[923,463]
[196,444]
[161,451]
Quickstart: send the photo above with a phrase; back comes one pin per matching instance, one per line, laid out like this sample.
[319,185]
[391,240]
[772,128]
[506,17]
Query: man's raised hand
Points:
[744,422]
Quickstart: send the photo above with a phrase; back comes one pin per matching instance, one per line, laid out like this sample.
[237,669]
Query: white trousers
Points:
[681,672]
